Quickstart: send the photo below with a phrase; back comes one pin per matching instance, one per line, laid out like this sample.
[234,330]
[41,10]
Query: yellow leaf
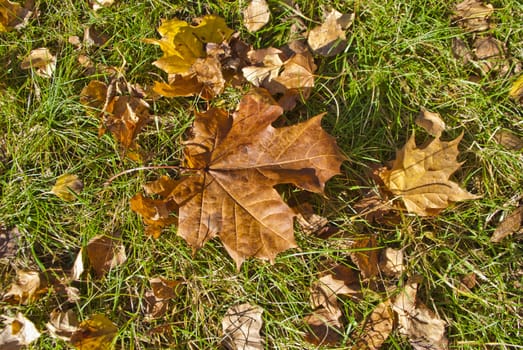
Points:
[96,333]
[420,176]
[516,91]
[183,43]
[65,184]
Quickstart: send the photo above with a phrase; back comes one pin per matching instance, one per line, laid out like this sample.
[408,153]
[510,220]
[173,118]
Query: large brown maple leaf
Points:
[234,163]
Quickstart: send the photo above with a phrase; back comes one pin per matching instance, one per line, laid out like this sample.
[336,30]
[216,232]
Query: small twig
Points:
[153,167]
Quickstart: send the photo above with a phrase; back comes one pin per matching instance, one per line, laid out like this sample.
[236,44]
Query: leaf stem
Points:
[153,167]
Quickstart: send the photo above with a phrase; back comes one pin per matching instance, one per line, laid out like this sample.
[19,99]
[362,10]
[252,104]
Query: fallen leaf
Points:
[420,176]
[431,122]
[324,323]
[78,266]
[256,15]
[98,4]
[8,242]
[241,327]
[310,222]
[42,61]
[329,38]
[66,185]
[62,325]
[473,15]
[13,16]
[156,212]
[235,162]
[508,140]
[376,328]
[162,290]
[366,256]
[516,90]
[120,108]
[489,47]
[266,65]
[391,262]
[95,333]
[105,253]
[424,329]
[510,225]
[461,50]
[28,286]
[93,37]
[182,44]
[18,332]
[467,282]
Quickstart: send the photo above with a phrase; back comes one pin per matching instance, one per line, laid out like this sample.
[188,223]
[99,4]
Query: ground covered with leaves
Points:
[249,175]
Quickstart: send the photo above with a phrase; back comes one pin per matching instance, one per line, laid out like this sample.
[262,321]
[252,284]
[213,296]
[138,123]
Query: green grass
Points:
[398,60]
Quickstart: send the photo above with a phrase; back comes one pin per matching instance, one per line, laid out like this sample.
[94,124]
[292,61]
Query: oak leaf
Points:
[241,327]
[420,176]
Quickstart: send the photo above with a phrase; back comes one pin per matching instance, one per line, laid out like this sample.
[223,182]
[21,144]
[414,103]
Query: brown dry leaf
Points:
[467,282]
[310,222]
[93,37]
[105,253]
[256,15]
[156,212]
[460,50]
[431,122]
[473,15]
[78,267]
[62,325]
[13,16]
[27,287]
[162,290]
[510,225]
[241,328]
[95,333]
[66,186]
[391,262]
[324,323]
[329,38]
[509,140]
[491,55]
[516,90]
[424,329]
[366,256]
[120,108]
[420,176]
[266,65]
[377,328]
[18,333]
[237,160]
[373,208]
[98,4]
[8,241]
[42,61]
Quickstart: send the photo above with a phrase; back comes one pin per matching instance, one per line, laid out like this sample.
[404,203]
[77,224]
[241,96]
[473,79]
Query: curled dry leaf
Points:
[329,39]
[18,332]
[376,328]
[105,253]
[62,325]
[13,15]
[473,15]
[431,122]
[27,287]
[95,333]
[241,327]
[42,61]
[424,329]
[66,186]
[391,262]
[162,290]
[510,225]
[120,108]
[420,176]
[256,15]
[235,162]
